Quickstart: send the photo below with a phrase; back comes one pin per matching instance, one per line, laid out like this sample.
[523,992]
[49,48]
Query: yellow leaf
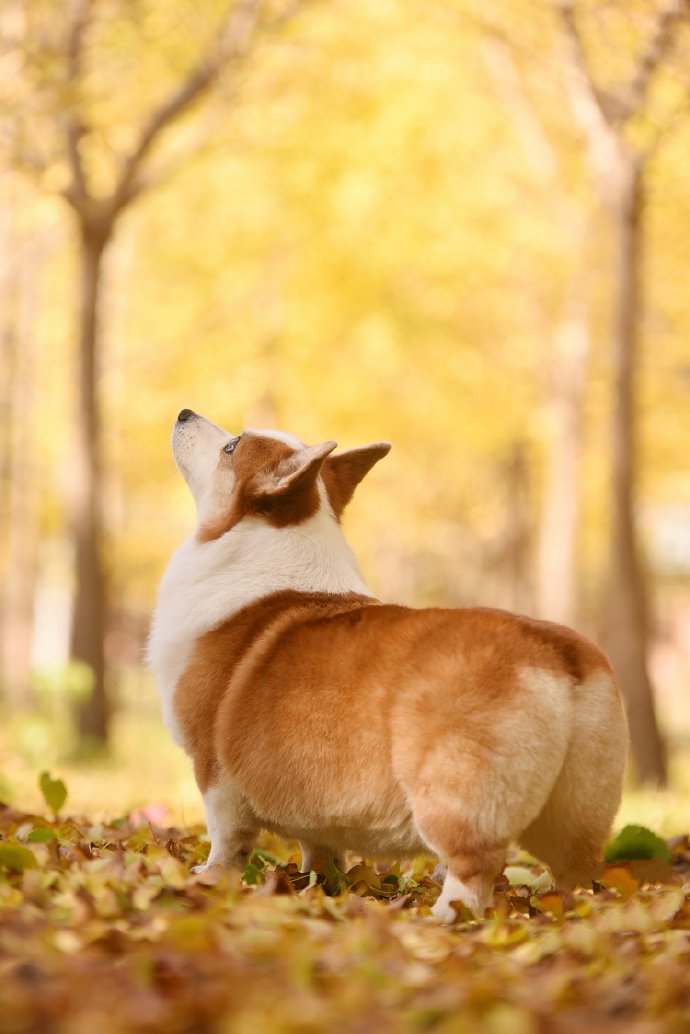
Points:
[505,934]
[173,873]
[363,872]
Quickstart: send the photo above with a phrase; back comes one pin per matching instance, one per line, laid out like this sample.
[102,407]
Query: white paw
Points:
[474,897]
[444,911]
[199,868]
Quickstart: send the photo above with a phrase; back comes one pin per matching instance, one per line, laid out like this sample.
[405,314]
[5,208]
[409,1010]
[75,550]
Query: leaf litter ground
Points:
[103,928]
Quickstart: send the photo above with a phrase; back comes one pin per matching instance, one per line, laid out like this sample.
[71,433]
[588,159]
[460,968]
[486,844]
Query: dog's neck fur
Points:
[206,583]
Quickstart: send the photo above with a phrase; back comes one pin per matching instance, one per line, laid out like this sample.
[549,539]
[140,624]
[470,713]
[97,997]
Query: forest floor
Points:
[104,928]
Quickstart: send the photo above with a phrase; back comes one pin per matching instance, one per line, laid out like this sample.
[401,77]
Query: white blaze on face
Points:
[197,444]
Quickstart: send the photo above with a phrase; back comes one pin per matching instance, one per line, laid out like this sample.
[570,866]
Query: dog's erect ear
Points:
[342,473]
[301,474]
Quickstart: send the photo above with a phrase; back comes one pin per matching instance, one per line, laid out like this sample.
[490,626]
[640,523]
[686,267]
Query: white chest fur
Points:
[206,583]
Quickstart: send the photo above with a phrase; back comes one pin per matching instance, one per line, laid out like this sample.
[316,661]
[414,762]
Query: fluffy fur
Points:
[313,710]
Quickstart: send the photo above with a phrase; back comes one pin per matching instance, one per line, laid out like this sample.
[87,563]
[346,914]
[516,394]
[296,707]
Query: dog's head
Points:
[264,474]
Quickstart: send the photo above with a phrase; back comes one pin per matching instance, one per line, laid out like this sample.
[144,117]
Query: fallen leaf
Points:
[15,857]
[620,879]
[54,792]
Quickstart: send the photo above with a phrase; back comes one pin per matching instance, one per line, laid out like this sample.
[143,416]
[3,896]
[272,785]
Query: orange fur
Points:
[254,458]
[320,713]
[342,473]
[332,712]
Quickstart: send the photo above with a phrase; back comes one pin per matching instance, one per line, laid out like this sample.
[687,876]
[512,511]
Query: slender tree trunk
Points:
[18,476]
[556,563]
[518,540]
[627,630]
[19,586]
[88,623]
[96,217]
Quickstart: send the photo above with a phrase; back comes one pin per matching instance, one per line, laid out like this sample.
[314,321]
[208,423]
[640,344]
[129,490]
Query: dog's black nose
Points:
[185,414]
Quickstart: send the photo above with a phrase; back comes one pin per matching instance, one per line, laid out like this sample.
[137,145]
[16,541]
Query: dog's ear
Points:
[298,474]
[342,473]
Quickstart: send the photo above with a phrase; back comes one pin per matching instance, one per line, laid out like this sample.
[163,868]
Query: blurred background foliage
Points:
[401,220]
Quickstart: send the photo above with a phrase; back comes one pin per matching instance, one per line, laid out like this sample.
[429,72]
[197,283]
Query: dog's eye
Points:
[230,447]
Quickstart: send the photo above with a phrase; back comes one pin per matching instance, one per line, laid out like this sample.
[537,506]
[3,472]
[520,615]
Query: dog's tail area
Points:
[488,776]
[545,769]
[571,829]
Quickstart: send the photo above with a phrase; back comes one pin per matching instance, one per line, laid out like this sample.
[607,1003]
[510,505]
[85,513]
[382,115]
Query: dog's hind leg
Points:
[476,779]
[473,859]
[570,831]
[472,869]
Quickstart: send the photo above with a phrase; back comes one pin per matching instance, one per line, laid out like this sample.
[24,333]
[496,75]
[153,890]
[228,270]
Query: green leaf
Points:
[266,856]
[41,835]
[16,858]
[336,881]
[54,792]
[252,875]
[636,842]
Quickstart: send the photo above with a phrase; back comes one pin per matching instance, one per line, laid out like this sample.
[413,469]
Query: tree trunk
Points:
[22,261]
[557,559]
[88,621]
[518,540]
[626,618]
[19,586]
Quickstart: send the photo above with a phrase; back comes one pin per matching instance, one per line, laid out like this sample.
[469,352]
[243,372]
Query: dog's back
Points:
[383,729]
[312,709]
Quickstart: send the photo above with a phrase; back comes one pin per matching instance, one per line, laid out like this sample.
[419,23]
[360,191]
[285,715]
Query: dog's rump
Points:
[353,705]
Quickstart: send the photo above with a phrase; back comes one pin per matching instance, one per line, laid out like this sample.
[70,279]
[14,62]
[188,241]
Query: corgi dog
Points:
[313,710]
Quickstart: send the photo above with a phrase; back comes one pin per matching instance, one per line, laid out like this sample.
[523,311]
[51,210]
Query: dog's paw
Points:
[444,911]
[199,868]
[461,899]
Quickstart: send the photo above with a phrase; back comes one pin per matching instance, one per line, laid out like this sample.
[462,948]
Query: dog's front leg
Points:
[315,857]
[231,824]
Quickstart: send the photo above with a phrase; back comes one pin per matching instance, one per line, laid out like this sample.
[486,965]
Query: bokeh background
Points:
[460,226]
